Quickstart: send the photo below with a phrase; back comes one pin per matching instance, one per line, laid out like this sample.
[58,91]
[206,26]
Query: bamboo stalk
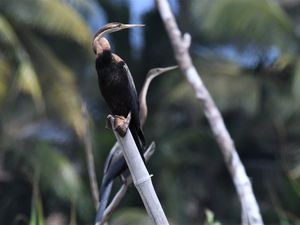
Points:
[140,176]
[123,189]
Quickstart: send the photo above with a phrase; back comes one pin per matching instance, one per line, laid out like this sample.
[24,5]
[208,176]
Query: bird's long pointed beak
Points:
[126,26]
[165,69]
[157,71]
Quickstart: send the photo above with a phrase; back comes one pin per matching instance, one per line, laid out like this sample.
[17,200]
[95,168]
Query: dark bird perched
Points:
[115,157]
[118,90]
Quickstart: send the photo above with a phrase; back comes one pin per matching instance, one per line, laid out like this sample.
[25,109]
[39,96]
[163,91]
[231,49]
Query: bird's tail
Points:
[104,196]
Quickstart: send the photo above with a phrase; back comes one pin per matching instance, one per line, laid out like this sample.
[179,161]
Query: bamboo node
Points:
[142,180]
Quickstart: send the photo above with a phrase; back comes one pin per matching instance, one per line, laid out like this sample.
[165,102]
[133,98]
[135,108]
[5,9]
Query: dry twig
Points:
[87,139]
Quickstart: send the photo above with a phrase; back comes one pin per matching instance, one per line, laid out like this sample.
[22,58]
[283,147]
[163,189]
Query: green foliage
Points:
[56,172]
[57,19]
[7,35]
[210,218]
[296,82]
[50,16]
[131,216]
[29,66]
[42,48]
[36,217]
[59,85]
[247,22]
[28,82]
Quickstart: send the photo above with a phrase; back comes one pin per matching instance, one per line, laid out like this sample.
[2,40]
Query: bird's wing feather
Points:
[130,79]
[133,93]
[135,107]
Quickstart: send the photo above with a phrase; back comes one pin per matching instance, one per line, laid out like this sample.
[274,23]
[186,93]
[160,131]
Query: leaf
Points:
[7,34]
[50,16]
[210,218]
[28,82]
[234,20]
[55,171]
[58,84]
[57,174]
[26,75]
[36,217]
[296,81]
[4,79]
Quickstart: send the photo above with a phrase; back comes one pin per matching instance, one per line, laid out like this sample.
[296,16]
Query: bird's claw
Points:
[121,124]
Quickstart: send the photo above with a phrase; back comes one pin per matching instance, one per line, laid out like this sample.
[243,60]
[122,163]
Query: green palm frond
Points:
[7,34]
[27,80]
[50,16]
[247,21]
[4,78]
[296,81]
[55,171]
[58,84]
[36,217]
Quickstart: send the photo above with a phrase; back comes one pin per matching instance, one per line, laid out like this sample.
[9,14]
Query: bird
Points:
[118,90]
[152,73]
[114,161]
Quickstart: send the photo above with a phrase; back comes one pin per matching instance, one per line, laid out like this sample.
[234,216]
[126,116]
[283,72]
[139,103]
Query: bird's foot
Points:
[121,124]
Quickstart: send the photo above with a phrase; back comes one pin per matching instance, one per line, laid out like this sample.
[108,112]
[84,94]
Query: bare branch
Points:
[241,181]
[141,177]
[87,139]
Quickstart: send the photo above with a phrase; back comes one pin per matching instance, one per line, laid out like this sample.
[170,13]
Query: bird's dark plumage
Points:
[118,90]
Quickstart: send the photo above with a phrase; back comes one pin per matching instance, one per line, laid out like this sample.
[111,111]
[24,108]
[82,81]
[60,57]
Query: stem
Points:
[87,139]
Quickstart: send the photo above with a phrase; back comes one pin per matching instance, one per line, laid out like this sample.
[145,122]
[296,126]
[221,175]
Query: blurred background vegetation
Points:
[247,52]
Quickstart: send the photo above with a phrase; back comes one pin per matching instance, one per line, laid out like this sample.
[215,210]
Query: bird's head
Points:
[100,43]
[156,71]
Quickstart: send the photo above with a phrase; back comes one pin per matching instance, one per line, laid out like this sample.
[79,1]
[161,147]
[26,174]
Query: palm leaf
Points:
[26,75]
[27,81]
[56,173]
[50,16]
[58,85]
[4,78]
[247,21]
[36,217]
[296,82]
[7,34]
